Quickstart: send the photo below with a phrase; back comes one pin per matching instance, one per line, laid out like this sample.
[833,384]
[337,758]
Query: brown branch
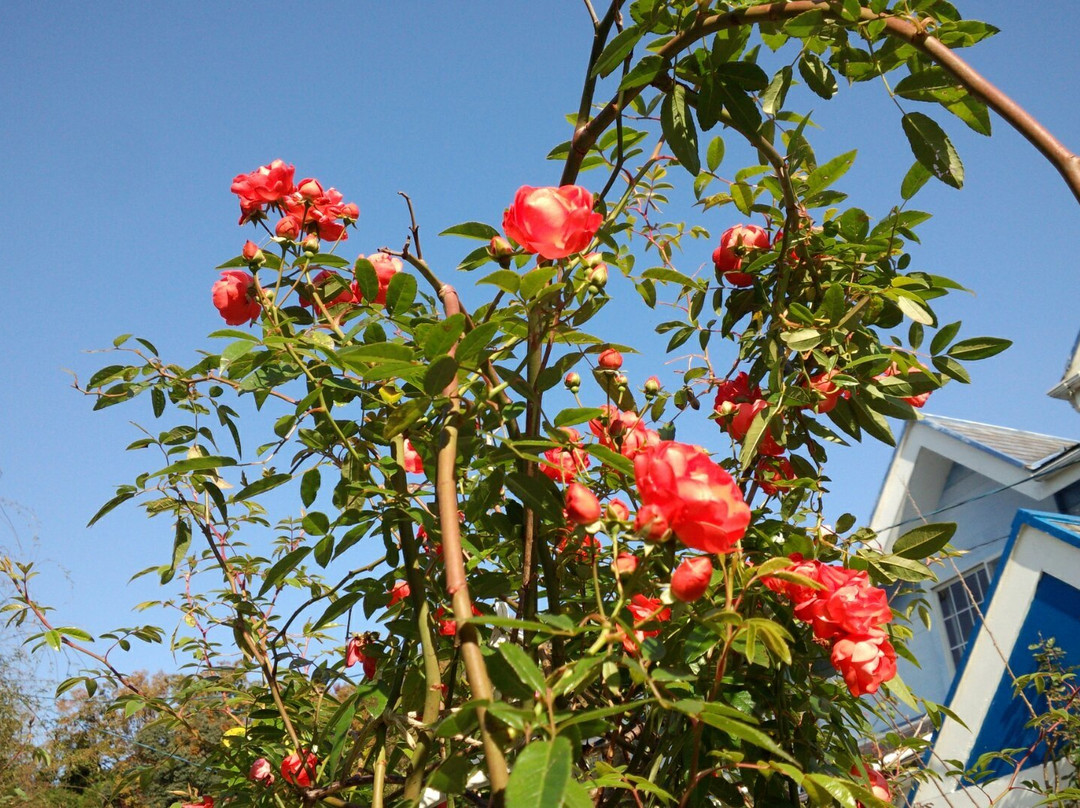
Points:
[1065,161]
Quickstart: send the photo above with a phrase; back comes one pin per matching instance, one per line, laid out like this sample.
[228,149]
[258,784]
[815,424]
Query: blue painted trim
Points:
[1048,523]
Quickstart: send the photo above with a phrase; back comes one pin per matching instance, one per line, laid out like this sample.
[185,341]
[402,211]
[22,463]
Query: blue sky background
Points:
[124,126]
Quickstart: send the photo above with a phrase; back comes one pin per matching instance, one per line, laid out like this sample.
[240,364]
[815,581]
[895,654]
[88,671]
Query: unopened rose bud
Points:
[572,381]
[288,228]
[261,772]
[652,387]
[617,510]
[252,254]
[598,276]
[652,524]
[310,244]
[501,250]
[609,359]
[582,506]
[350,212]
[593,259]
[625,564]
[621,381]
[309,189]
[727,408]
[691,579]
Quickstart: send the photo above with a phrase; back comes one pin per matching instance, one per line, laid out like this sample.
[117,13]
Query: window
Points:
[1068,499]
[958,610]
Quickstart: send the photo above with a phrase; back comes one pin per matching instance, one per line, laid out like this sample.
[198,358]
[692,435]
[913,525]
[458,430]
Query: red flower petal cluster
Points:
[582,506]
[698,499]
[563,464]
[644,610]
[736,243]
[207,802]
[624,432]
[266,185]
[915,401]
[306,206]
[354,652]
[875,781]
[448,625]
[737,402]
[848,612]
[234,297]
[413,463]
[773,474]
[400,590]
[828,391]
[553,222]
[298,768]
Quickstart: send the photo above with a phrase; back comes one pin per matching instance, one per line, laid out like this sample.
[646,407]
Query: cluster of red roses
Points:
[847,612]
[305,207]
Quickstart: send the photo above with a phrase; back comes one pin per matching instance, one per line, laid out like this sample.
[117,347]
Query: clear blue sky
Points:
[125,124]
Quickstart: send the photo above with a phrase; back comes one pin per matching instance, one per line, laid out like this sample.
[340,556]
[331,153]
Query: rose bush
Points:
[414,491]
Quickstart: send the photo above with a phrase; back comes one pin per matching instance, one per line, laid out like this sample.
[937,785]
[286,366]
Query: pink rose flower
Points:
[700,501]
[553,222]
[261,772]
[865,661]
[736,243]
[233,297]
[265,185]
[386,267]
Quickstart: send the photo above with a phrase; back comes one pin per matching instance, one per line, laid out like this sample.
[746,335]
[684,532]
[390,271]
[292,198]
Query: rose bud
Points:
[288,229]
[593,259]
[597,277]
[609,359]
[652,387]
[350,212]
[621,381]
[625,564]
[736,244]
[310,189]
[252,254]
[582,506]
[652,523]
[572,381]
[691,578]
[261,772]
[617,510]
[501,250]
[310,244]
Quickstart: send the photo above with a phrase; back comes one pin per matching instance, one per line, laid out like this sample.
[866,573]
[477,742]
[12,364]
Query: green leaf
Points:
[743,196]
[746,75]
[541,775]
[157,399]
[914,309]
[195,464]
[943,337]
[181,543]
[523,665]
[714,155]
[367,280]
[643,72]
[824,176]
[535,280]
[610,457]
[924,541]
[337,608]
[679,130]
[616,51]
[772,100]
[951,368]
[577,796]
[477,230]
[803,339]
[476,341]
[577,415]
[440,374]
[309,486]
[740,106]
[978,348]
[404,416]
[738,729]
[282,567]
[261,485]
[108,506]
[505,279]
[817,75]
[915,179]
[932,147]
[401,292]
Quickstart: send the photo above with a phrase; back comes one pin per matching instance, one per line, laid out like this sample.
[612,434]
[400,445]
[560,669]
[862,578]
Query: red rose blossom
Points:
[625,564]
[915,401]
[207,802]
[299,768]
[873,780]
[651,523]
[265,185]
[413,464]
[827,390]
[865,661]
[233,297]
[773,474]
[617,509]
[700,501]
[400,590]
[691,578]
[553,222]
[319,283]
[563,464]
[261,772]
[735,245]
